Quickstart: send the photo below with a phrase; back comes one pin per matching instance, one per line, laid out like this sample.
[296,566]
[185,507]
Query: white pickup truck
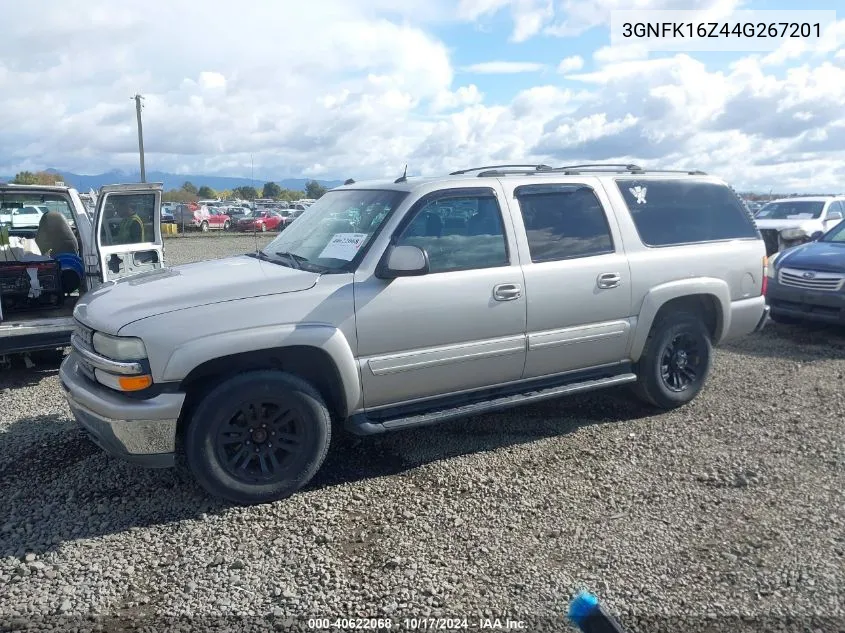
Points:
[103,253]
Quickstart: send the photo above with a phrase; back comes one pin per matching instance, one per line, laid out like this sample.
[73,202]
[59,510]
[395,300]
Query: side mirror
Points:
[834,215]
[816,236]
[403,261]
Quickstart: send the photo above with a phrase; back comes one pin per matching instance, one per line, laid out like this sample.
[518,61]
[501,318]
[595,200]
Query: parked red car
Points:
[262,221]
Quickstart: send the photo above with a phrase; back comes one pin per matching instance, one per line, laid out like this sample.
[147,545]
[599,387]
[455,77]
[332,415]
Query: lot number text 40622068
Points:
[417,624]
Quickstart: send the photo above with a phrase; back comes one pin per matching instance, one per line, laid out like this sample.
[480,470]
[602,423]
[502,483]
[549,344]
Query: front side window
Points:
[459,233]
[563,222]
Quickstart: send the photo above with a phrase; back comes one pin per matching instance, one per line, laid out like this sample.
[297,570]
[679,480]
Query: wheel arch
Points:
[708,298]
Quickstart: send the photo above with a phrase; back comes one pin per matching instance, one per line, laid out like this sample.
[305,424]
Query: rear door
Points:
[127,225]
[576,272]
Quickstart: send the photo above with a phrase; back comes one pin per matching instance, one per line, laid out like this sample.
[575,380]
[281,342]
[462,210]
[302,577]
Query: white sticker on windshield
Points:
[800,216]
[343,246]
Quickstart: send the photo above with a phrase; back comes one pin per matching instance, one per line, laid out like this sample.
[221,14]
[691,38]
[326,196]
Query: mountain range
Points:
[84,182]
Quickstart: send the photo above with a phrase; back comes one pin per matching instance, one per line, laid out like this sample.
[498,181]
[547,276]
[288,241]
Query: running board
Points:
[363,425]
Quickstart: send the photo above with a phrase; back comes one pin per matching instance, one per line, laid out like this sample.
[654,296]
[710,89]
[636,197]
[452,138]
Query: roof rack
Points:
[589,167]
[489,167]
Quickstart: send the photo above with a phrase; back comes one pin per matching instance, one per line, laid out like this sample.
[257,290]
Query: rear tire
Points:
[226,226]
[263,228]
[258,437]
[675,362]
[204,227]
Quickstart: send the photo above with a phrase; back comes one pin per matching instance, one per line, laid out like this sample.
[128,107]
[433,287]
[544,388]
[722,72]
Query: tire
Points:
[263,228]
[225,226]
[663,383]
[204,227]
[206,447]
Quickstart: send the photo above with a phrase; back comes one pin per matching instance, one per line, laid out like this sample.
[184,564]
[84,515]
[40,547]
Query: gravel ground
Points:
[731,507]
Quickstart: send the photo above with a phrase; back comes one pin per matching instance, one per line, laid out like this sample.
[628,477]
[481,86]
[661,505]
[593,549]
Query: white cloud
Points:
[359,89]
[570,64]
[503,68]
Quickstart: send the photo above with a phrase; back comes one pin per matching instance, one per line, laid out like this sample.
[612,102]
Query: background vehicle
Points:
[262,221]
[792,221]
[807,282]
[96,252]
[192,216]
[396,304]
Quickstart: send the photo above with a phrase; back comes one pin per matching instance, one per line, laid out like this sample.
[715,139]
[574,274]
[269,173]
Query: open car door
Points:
[127,226]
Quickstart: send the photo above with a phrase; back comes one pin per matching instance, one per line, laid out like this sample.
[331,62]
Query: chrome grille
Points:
[811,279]
[85,334]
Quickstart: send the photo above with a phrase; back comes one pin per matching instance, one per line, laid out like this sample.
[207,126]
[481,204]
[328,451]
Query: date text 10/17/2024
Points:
[417,624]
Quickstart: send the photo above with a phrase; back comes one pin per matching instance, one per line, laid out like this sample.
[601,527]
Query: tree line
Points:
[189,192]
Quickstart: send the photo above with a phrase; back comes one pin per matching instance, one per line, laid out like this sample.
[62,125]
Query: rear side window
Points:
[563,222]
[671,212]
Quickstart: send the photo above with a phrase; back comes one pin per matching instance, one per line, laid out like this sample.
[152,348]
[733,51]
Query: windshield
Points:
[335,229]
[836,234]
[791,210]
[29,206]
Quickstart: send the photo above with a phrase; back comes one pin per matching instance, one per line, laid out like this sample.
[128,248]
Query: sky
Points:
[334,89]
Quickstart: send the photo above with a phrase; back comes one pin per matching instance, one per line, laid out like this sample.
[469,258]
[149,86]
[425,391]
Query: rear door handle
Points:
[507,292]
[609,280]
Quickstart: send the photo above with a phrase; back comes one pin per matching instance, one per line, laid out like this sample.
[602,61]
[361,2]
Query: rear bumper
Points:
[806,305]
[142,432]
[35,334]
[747,316]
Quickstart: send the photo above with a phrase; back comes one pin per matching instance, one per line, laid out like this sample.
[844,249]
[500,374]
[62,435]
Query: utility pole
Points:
[138,106]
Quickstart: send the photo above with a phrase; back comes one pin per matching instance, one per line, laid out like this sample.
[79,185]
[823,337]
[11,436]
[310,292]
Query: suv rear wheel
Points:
[675,362]
[258,437]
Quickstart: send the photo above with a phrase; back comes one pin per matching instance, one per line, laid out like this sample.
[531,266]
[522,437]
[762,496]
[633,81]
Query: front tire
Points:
[675,362]
[263,228]
[226,226]
[258,437]
[204,227]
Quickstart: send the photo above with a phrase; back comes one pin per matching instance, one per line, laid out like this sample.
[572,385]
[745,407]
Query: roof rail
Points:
[591,167]
[488,167]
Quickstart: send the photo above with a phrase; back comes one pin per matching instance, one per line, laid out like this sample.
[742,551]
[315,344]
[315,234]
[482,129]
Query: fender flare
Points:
[191,354]
[658,296]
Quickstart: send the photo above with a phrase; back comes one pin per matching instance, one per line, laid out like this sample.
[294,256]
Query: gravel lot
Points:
[732,506]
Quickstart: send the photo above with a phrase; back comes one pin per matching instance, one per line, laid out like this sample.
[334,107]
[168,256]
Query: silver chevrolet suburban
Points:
[400,303]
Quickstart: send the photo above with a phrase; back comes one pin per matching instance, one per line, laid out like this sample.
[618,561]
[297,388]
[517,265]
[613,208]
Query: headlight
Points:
[794,234]
[123,348]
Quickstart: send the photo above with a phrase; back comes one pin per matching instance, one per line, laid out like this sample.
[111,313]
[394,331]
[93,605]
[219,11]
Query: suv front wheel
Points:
[675,362]
[258,437]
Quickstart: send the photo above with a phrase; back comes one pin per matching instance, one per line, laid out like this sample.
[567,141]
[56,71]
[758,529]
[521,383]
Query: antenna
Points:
[403,177]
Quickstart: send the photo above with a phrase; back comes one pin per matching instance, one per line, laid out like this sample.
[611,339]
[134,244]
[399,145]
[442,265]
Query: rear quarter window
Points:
[674,212]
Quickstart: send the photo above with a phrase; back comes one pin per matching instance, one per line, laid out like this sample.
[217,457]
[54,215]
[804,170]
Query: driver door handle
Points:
[507,292]
[609,280]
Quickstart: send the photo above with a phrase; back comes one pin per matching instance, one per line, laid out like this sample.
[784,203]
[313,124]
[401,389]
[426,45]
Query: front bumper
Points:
[806,305]
[142,432]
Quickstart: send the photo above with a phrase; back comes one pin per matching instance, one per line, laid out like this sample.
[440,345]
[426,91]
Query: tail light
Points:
[765,274]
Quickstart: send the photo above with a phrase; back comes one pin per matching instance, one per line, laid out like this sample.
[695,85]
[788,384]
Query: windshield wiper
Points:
[293,259]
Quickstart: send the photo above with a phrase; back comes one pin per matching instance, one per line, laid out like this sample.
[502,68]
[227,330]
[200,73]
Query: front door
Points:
[458,328]
[127,223]
[576,275]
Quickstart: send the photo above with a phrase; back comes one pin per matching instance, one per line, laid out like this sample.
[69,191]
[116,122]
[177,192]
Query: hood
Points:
[798,223]
[118,303]
[819,256]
